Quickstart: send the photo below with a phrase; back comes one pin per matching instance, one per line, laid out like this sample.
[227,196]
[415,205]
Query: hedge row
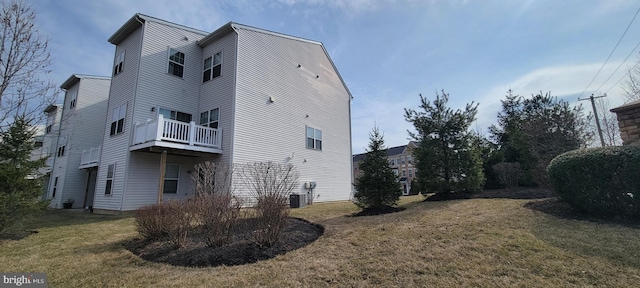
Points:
[601,181]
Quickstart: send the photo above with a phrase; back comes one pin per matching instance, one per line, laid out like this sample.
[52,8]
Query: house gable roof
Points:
[233,27]
[75,78]
[137,20]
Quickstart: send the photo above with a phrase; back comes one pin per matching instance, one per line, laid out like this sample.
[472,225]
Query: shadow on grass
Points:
[510,193]
[615,240]
[559,209]
[52,218]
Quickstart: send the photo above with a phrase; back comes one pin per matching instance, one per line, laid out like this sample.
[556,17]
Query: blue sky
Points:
[390,51]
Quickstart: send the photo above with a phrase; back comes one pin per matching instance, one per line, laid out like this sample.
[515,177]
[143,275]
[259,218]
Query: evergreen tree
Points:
[377,186]
[532,131]
[446,158]
[20,184]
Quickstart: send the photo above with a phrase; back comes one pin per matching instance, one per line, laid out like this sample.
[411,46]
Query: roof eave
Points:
[131,25]
[625,107]
[215,35]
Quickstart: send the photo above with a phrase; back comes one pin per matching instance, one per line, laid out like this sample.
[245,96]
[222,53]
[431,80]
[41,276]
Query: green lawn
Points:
[475,242]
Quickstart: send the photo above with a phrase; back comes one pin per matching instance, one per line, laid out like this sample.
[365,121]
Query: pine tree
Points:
[446,158]
[20,185]
[377,186]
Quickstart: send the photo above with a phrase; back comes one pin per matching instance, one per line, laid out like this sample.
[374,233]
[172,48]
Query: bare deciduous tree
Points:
[508,173]
[608,123]
[631,85]
[24,64]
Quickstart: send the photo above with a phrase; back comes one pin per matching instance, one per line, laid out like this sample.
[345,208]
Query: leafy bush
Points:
[602,181]
[170,220]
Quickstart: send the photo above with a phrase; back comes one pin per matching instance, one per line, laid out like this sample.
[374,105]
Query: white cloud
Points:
[567,81]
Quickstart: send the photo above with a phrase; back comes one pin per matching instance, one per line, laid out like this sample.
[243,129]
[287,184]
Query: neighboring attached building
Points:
[400,160]
[629,122]
[76,131]
[180,96]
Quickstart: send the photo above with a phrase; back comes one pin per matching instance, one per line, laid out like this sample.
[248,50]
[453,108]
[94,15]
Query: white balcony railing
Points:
[175,131]
[90,156]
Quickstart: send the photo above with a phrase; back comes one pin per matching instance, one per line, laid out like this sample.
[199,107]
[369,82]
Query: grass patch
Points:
[474,242]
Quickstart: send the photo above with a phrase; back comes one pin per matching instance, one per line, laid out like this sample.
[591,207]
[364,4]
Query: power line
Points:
[625,60]
[623,76]
[614,49]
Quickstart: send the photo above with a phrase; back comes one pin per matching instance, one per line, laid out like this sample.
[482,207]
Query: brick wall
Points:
[629,122]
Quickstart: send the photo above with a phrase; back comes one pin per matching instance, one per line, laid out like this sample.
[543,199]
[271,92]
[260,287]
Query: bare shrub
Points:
[212,178]
[169,220]
[508,173]
[216,216]
[271,184]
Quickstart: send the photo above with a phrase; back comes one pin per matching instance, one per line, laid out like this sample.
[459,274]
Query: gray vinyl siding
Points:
[219,92]
[158,88]
[115,149]
[264,131]
[82,127]
[145,168]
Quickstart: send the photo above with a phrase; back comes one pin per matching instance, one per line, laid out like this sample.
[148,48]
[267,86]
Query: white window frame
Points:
[404,172]
[176,62]
[409,159]
[55,187]
[118,64]
[210,68]
[167,178]
[111,172]
[316,138]
[74,98]
[62,144]
[117,120]
[206,118]
[51,120]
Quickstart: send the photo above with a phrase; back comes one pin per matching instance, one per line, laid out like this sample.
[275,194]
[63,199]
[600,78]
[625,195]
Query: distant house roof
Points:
[390,152]
[625,107]
[74,78]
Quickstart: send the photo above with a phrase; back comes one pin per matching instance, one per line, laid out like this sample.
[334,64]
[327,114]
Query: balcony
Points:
[89,158]
[167,133]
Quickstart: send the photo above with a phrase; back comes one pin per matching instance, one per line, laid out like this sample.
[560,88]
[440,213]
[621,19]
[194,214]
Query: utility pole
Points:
[595,113]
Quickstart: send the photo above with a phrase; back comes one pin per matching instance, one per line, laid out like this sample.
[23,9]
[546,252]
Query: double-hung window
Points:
[176,62]
[171,176]
[210,118]
[51,119]
[314,138]
[111,170]
[55,187]
[73,97]
[212,67]
[118,64]
[62,144]
[117,119]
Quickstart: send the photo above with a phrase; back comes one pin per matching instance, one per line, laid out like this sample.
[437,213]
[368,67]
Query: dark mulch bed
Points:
[513,193]
[378,211]
[297,234]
